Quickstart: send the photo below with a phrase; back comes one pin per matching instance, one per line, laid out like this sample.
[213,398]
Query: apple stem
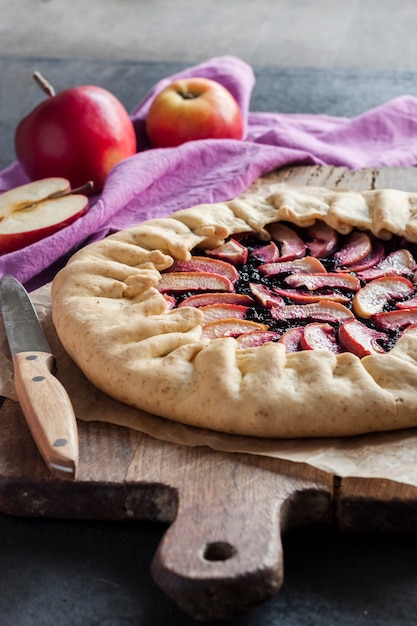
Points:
[89,186]
[44,84]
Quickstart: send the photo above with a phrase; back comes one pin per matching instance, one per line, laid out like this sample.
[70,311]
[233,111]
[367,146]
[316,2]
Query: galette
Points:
[287,312]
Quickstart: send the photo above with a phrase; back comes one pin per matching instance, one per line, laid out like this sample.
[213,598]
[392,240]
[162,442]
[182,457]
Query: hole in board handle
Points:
[219,551]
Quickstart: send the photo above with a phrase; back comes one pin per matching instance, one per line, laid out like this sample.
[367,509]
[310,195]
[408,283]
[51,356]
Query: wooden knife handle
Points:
[48,411]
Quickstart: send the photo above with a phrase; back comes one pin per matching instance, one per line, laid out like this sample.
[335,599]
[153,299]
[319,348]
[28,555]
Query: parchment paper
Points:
[390,456]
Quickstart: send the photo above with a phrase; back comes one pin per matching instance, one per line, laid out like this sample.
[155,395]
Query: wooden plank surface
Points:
[225,512]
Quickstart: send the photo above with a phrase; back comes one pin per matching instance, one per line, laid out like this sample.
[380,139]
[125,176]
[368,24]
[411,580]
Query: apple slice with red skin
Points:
[411,303]
[292,246]
[204,264]
[324,240]
[266,254]
[373,297]
[265,296]
[36,210]
[306,265]
[180,282]
[395,263]
[331,280]
[291,338]
[256,338]
[371,260]
[306,297]
[318,336]
[213,312]
[219,297]
[193,108]
[231,328]
[361,340]
[323,311]
[356,247]
[231,251]
[395,320]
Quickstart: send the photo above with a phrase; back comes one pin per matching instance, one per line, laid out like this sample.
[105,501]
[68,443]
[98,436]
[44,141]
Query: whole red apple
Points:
[78,134]
[193,108]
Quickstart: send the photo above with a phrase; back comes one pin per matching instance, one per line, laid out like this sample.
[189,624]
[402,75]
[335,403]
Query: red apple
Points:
[36,210]
[193,108]
[78,134]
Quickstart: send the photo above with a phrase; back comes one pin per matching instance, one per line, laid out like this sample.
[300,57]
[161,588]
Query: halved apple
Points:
[36,210]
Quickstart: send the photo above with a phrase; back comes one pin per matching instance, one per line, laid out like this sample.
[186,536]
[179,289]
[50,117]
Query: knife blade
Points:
[44,401]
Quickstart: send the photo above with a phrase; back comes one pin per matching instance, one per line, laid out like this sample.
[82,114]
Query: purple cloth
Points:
[155,183]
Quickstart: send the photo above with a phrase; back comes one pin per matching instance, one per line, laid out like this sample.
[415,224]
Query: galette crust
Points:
[115,324]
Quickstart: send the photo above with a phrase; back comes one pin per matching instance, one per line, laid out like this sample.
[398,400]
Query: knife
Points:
[44,401]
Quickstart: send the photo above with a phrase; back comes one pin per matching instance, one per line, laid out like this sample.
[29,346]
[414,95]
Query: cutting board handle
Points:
[223,552]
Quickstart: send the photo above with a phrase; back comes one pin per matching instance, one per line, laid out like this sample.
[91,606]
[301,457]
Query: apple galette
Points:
[287,312]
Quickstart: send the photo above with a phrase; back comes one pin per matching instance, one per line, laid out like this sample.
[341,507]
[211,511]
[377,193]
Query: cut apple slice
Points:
[371,260]
[395,320]
[291,338]
[324,240]
[305,297]
[218,297]
[204,264]
[266,254]
[373,297]
[292,246]
[356,247]
[256,338]
[36,210]
[322,311]
[318,336]
[180,282]
[411,303]
[231,251]
[324,280]
[231,328]
[265,296]
[306,265]
[212,312]
[399,262]
[356,337]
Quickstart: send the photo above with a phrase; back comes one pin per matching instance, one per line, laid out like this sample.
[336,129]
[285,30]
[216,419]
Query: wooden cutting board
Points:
[225,512]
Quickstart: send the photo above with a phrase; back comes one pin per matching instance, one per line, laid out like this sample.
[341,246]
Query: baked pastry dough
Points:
[117,327]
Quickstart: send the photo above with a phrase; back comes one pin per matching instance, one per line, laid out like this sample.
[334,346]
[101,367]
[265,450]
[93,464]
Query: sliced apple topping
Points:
[217,297]
[318,336]
[292,246]
[371,260]
[204,264]
[231,328]
[356,337]
[308,289]
[395,320]
[256,338]
[322,311]
[305,297]
[324,240]
[266,254]
[356,248]
[212,312]
[231,251]
[305,265]
[399,262]
[324,280]
[179,282]
[265,296]
[374,296]
[291,339]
